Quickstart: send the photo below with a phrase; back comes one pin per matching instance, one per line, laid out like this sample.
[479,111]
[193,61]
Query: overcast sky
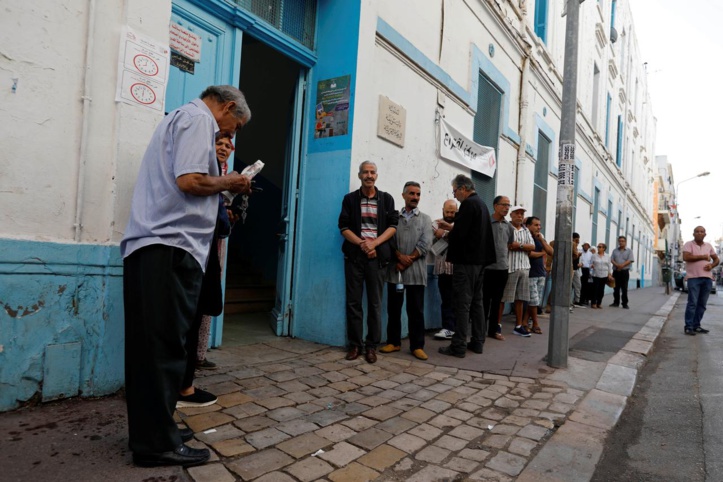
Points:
[680,41]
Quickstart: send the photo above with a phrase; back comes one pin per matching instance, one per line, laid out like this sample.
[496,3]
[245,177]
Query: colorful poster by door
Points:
[332,107]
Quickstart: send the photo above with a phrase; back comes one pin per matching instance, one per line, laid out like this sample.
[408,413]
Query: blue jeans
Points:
[698,291]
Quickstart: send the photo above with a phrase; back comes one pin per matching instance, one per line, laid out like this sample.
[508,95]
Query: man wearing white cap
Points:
[517,289]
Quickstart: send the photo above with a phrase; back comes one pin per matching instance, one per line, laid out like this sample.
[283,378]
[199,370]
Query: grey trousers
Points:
[576,286]
[468,306]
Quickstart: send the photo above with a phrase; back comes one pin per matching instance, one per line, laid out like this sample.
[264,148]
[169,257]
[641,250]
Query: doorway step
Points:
[248,293]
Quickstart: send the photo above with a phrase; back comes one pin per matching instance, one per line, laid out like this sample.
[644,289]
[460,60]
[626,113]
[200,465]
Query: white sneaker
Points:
[444,334]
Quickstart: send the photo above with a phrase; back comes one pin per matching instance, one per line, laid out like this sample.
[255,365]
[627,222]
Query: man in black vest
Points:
[471,248]
[367,221]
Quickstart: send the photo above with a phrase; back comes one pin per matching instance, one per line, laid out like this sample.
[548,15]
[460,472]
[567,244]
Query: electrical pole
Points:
[558,343]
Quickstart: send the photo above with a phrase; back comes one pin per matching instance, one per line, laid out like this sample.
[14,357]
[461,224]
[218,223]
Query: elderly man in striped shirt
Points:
[517,289]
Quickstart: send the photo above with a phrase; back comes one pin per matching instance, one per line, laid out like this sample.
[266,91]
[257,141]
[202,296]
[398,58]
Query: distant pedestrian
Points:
[576,273]
[601,274]
[443,270]
[408,274]
[367,222]
[700,259]
[517,289]
[495,275]
[537,270]
[621,258]
[471,248]
[586,279]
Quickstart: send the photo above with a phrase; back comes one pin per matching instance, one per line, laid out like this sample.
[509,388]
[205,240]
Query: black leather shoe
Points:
[614,304]
[701,330]
[447,350]
[475,347]
[626,307]
[353,353]
[186,434]
[371,355]
[182,455]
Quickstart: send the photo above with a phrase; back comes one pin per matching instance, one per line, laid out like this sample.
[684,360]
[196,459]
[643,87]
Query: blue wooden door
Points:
[219,64]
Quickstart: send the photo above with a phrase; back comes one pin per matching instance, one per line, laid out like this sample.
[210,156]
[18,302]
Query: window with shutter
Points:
[541,19]
[487,133]
[595,210]
[542,168]
[607,222]
[295,18]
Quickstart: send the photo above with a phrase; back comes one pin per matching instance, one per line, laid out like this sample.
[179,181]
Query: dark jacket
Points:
[471,240]
[350,218]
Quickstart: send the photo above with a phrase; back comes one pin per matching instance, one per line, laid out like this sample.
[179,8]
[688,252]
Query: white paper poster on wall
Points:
[142,70]
[456,147]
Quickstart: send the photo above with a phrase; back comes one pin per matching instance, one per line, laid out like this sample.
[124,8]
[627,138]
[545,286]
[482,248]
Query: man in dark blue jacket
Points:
[471,248]
[367,221]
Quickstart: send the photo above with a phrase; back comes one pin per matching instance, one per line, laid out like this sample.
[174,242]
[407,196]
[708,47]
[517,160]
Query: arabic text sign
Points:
[455,147]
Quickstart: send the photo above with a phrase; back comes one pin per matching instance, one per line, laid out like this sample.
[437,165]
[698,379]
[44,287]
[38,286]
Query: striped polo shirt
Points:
[519,260]
[369,216]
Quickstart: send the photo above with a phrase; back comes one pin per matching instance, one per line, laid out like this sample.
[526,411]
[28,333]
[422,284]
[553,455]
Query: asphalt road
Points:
[672,428]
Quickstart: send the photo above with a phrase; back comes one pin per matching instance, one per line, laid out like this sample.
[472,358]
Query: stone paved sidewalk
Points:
[307,414]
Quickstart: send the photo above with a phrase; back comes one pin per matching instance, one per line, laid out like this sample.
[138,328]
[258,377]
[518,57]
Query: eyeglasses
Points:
[601,247]
[505,205]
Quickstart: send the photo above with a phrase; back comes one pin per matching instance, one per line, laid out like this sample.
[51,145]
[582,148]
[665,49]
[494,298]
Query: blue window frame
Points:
[607,121]
[612,13]
[542,170]
[541,19]
[607,222]
[595,211]
[619,150]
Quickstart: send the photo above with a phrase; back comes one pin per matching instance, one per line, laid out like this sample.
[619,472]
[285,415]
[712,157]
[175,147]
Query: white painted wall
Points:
[44,48]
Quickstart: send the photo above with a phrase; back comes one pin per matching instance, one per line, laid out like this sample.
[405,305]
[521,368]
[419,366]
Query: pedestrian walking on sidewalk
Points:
[621,258]
[601,274]
[700,259]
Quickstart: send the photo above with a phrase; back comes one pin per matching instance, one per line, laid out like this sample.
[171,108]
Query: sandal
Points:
[537,330]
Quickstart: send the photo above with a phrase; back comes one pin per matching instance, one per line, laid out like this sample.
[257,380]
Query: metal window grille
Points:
[487,133]
[295,18]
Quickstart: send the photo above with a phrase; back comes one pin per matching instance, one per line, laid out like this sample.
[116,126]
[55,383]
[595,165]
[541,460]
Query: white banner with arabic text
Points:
[456,147]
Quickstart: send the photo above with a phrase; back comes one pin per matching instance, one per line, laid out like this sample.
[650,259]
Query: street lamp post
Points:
[676,247]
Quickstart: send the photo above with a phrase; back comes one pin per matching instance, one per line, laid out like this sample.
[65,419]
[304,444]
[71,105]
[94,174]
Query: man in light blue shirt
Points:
[165,250]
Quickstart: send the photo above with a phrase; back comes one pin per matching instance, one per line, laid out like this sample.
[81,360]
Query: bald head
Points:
[449,210]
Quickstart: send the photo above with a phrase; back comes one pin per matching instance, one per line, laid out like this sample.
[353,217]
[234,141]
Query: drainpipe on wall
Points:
[80,188]
[524,103]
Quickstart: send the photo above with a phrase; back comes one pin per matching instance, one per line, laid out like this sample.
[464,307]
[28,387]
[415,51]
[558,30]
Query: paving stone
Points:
[266,438]
[349,397]
[492,376]
[326,417]
[382,413]
[482,423]
[461,465]
[259,463]
[488,475]
[297,427]
[496,441]
[253,424]
[554,417]
[361,380]
[405,404]
[246,373]
[314,381]
[359,423]
[426,432]
[232,447]
[520,392]
[451,443]
[482,398]
[191,411]
[330,366]
[263,393]
[385,384]
[233,399]
[466,432]
[392,394]
[292,386]
[370,438]
[275,402]
[396,425]
[408,387]
[300,397]
[522,446]
[355,472]
[255,383]
[439,376]
[342,386]
[334,376]
[284,414]
[404,465]
[469,407]
[560,407]
[219,433]
[245,410]
[327,402]
[525,412]
[324,392]
[542,396]
[474,454]
[552,390]
[336,433]
[516,420]
[433,473]
[309,469]
[468,391]
[283,376]
[507,463]
[436,406]
[309,408]
[381,374]
[275,367]
[302,445]
[432,454]
[382,457]
[443,421]
[353,408]
[534,432]
[535,404]
[418,414]
[489,393]
[342,454]
[522,380]
[422,395]
[308,371]
[211,473]
[407,442]
[504,429]
[351,372]
[199,423]
[402,378]
[458,414]
[438,388]
[506,402]
[451,397]
[548,424]
[374,401]
[453,382]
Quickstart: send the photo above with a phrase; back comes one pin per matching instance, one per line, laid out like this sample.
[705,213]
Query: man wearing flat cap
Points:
[517,289]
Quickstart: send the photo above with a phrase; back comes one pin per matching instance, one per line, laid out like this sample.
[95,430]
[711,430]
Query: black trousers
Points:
[161,286]
[446,292]
[494,287]
[586,291]
[468,306]
[598,285]
[360,272]
[415,315]
[621,285]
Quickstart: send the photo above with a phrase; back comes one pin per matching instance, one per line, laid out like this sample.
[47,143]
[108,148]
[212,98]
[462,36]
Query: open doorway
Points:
[256,247]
